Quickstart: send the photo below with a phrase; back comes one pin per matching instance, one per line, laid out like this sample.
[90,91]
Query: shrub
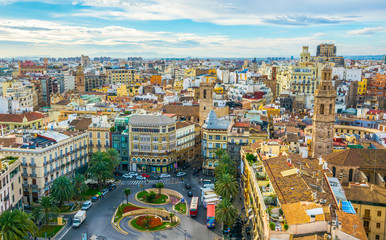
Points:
[151,196]
[130,208]
[286,226]
[149,221]
[272,226]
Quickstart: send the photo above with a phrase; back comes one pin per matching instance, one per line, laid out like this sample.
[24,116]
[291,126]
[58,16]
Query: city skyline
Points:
[189,28]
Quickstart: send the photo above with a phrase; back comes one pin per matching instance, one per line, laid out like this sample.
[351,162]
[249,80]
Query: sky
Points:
[195,28]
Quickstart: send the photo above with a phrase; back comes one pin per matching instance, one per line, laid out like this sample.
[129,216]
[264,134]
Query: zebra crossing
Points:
[139,182]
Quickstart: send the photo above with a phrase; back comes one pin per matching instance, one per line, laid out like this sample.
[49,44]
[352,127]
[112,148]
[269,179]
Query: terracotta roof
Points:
[81,124]
[31,116]
[298,187]
[63,102]
[189,111]
[364,158]
[348,222]
[373,194]
[182,124]
[295,213]
[242,124]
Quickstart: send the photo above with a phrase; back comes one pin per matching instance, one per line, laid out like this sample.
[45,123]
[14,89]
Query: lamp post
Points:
[185,234]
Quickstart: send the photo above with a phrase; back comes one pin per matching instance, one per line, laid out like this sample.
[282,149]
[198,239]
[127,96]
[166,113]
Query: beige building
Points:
[152,143]
[99,134]
[10,184]
[24,94]
[122,76]
[44,156]
[185,151]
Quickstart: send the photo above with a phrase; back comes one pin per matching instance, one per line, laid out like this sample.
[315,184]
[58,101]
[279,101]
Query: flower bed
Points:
[149,222]
[157,199]
[130,208]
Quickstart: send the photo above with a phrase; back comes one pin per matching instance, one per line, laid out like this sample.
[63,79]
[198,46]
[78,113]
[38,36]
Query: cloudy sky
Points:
[197,28]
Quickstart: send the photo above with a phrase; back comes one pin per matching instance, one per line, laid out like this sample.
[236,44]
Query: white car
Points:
[180,174]
[86,205]
[133,173]
[140,178]
[126,175]
[164,175]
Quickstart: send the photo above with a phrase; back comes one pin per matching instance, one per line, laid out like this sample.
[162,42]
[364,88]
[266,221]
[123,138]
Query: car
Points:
[180,174]
[187,186]
[112,186]
[164,175]
[154,185]
[127,175]
[145,175]
[190,194]
[140,178]
[155,177]
[104,191]
[133,173]
[86,205]
[95,198]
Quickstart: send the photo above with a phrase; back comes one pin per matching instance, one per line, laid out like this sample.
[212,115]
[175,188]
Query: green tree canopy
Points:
[48,207]
[16,225]
[226,186]
[159,186]
[127,192]
[103,164]
[226,213]
[62,190]
[79,183]
[250,157]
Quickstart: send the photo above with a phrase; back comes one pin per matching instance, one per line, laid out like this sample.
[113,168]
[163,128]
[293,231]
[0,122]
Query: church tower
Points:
[79,79]
[206,100]
[305,55]
[324,115]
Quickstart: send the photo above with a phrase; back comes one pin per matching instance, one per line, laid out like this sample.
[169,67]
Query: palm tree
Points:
[226,212]
[48,207]
[15,225]
[219,152]
[62,189]
[127,192]
[226,186]
[113,157]
[80,185]
[159,186]
[100,167]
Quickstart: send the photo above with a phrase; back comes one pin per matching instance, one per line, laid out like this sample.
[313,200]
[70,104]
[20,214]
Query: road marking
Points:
[65,233]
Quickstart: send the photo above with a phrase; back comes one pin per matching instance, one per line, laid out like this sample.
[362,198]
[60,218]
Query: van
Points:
[86,205]
[211,186]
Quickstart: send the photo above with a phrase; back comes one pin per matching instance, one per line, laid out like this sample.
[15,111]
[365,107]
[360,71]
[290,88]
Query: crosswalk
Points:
[139,182]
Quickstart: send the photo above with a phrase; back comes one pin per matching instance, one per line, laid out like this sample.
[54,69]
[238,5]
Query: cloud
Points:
[367,31]
[302,20]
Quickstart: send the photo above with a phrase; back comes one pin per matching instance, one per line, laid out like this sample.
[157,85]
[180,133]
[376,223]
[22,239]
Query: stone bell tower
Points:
[324,115]
[79,79]
[206,100]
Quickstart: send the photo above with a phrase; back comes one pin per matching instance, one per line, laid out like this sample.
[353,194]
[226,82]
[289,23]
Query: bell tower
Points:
[324,115]
[79,79]
[206,100]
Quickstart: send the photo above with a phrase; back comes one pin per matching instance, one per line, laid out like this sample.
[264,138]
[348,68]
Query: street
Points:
[98,220]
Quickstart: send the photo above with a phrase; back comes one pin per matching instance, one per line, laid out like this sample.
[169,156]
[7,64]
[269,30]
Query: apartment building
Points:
[152,143]
[214,136]
[29,120]
[44,156]
[99,134]
[24,94]
[185,151]
[10,184]
[120,76]
[120,140]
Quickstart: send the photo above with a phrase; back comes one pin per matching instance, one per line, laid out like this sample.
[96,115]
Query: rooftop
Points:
[364,158]
[151,120]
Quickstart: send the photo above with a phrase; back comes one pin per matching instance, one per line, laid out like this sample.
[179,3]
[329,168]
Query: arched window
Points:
[333,171]
[330,109]
[350,175]
[204,95]
[321,108]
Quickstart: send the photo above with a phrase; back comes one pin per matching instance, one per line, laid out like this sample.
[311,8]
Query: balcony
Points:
[367,229]
[366,217]
[24,174]
[33,175]
[32,164]
[34,186]
[99,145]
[91,144]
[57,167]
[25,185]
[24,164]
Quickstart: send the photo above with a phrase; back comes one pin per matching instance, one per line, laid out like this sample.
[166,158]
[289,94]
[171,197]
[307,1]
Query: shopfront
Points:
[150,165]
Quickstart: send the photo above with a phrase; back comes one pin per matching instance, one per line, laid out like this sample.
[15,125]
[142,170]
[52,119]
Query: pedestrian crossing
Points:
[139,182]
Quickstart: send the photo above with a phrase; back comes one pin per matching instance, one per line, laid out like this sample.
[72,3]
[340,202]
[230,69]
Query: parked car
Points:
[187,186]
[133,173]
[126,175]
[86,205]
[95,198]
[104,191]
[154,185]
[112,186]
[145,175]
[180,174]
[164,175]
[155,177]
[140,178]
[118,173]
[190,194]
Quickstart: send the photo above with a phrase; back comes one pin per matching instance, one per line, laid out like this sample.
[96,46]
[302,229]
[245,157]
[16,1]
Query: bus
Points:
[193,206]
[210,216]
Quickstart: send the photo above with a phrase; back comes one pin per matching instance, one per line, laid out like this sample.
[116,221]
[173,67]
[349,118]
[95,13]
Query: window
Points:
[98,135]
[378,225]
[377,237]
[218,137]
[321,108]
[106,135]
[350,175]
[210,137]
[379,214]
[90,134]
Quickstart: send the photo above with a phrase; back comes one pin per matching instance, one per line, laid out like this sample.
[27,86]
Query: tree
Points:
[48,207]
[272,225]
[127,192]
[16,225]
[80,186]
[150,197]
[113,157]
[226,212]
[219,153]
[250,157]
[171,215]
[226,186]
[159,186]
[62,190]
[102,165]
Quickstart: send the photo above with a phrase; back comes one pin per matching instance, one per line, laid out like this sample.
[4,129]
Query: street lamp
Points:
[185,234]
